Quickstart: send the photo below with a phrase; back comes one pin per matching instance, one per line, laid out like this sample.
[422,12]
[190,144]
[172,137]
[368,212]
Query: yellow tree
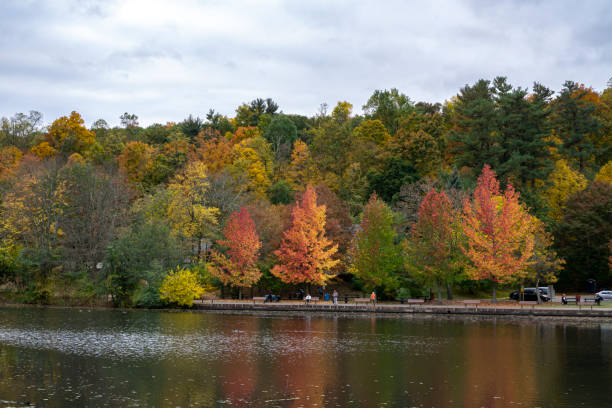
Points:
[306,254]
[188,211]
[252,159]
[68,134]
[563,183]
[302,169]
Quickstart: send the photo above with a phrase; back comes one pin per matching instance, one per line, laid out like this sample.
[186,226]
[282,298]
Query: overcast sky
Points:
[164,60]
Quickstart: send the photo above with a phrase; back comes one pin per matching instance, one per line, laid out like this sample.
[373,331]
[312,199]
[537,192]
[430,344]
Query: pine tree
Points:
[576,125]
[475,139]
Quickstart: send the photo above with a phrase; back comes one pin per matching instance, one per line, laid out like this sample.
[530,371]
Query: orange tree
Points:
[306,254]
[499,233]
[238,267]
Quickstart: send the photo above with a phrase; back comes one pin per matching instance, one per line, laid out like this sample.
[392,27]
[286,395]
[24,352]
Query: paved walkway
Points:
[427,308]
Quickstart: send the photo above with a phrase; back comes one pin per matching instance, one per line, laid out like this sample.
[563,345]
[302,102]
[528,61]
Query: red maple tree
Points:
[239,266]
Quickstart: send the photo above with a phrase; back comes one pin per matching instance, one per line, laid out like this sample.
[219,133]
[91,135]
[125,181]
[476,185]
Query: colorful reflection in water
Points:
[55,358]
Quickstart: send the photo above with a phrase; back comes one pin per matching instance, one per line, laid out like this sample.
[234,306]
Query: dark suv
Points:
[530,294]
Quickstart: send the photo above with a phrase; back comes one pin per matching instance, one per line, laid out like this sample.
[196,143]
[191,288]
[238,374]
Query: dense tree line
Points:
[498,185]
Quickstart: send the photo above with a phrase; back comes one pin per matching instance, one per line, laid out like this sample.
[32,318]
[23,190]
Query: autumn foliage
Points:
[434,240]
[306,254]
[238,267]
[499,232]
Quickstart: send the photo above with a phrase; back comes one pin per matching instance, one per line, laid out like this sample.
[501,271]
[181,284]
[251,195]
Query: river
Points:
[69,357]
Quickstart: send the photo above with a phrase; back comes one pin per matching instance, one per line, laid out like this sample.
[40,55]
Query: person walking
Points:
[373,298]
[335,296]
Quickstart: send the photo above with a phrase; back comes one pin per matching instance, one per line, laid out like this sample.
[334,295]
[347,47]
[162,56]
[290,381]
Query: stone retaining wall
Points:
[483,310]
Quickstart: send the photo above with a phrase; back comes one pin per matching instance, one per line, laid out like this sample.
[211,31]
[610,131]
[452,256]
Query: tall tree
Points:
[576,124]
[238,267]
[433,248]
[499,232]
[524,132]
[189,211]
[306,254]
[376,258]
[475,137]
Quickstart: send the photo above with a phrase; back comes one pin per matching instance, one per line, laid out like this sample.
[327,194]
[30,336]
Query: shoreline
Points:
[389,310]
[409,310]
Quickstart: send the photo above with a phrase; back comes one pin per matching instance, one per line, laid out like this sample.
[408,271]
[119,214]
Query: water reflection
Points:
[53,357]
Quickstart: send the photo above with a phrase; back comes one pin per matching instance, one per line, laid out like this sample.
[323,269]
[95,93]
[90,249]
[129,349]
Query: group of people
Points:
[272,298]
[307,298]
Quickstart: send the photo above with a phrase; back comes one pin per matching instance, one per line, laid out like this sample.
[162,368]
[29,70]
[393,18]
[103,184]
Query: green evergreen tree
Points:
[576,125]
[476,136]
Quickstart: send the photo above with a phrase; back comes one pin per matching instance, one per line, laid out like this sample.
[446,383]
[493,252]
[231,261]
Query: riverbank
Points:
[483,309]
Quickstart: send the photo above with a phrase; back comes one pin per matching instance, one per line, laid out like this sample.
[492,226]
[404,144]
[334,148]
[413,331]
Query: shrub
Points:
[181,287]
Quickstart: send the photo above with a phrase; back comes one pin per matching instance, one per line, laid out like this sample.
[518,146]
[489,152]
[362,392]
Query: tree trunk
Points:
[494,292]
[538,291]
[449,291]
[239,292]
[439,286]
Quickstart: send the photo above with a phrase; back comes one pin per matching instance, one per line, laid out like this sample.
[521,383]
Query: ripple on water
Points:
[207,344]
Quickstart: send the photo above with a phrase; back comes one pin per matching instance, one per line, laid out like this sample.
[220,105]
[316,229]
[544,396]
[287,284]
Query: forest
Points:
[496,187]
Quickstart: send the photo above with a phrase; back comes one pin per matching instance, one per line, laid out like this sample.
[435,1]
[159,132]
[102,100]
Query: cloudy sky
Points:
[163,60]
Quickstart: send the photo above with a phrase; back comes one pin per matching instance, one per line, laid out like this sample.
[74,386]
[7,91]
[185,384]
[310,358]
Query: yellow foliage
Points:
[181,287]
[605,173]
[187,210]
[564,182]
[302,169]
[68,134]
[342,112]
[44,150]
[250,159]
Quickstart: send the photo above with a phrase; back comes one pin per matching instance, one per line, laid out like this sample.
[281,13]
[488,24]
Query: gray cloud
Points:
[165,60]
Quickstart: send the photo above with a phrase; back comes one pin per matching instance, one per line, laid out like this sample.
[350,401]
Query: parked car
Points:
[604,295]
[531,295]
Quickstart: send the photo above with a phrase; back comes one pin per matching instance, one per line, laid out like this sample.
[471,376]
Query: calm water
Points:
[53,358]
